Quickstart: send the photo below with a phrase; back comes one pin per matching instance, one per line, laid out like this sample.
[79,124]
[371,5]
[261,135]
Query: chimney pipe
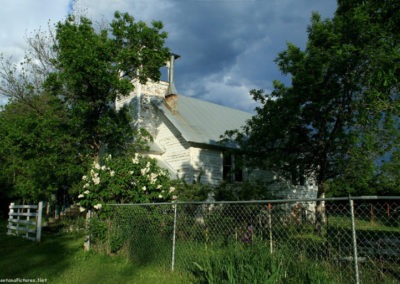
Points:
[171,88]
[171,97]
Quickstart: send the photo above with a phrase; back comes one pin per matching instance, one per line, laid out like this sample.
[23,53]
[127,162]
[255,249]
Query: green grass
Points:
[366,225]
[60,258]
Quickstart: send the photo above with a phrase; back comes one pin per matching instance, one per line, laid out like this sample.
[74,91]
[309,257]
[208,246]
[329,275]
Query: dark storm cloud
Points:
[227,47]
[213,35]
[234,43]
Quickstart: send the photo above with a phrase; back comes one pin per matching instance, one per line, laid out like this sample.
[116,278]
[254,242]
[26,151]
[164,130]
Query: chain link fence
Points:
[357,240]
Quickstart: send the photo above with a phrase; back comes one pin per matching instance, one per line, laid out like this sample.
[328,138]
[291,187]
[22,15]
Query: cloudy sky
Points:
[227,47]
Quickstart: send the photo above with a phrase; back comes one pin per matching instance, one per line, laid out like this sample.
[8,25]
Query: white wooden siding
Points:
[151,88]
[189,162]
[177,150]
[207,164]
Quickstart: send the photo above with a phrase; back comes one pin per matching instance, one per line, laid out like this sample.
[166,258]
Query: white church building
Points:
[186,133]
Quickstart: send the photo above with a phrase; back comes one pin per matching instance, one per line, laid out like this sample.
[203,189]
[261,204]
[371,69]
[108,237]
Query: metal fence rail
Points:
[358,239]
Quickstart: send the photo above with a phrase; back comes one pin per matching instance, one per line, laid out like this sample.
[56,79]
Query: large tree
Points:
[94,68]
[39,157]
[338,120]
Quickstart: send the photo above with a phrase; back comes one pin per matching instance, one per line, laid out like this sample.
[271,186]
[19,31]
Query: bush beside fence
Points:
[277,239]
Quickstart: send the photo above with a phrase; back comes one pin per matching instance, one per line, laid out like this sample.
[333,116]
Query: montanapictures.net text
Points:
[23,280]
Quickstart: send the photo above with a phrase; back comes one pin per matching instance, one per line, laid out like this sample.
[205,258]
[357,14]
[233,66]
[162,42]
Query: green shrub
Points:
[142,233]
[98,230]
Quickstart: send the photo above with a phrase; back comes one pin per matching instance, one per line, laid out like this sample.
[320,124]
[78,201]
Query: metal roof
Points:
[203,122]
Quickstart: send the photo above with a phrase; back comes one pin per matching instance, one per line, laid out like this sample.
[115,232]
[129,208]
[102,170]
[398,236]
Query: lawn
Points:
[60,258]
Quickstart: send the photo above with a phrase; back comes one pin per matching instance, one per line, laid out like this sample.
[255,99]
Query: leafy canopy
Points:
[39,157]
[94,68]
[338,120]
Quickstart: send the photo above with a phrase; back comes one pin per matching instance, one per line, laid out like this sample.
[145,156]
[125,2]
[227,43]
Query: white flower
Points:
[171,189]
[159,186]
[93,173]
[86,185]
[81,196]
[153,178]
[103,168]
[97,206]
[135,159]
[86,192]
[96,180]
[81,209]
[174,197]
[96,166]
[112,173]
[159,196]
[144,171]
[144,188]
[108,157]
[131,172]
[84,177]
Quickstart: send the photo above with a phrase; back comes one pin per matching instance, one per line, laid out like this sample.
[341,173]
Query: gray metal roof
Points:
[203,122]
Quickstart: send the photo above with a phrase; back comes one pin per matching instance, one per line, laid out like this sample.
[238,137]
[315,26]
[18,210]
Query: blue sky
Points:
[227,47]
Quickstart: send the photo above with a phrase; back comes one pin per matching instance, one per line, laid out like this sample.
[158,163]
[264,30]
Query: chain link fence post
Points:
[175,206]
[270,227]
[354,237]
[86,244]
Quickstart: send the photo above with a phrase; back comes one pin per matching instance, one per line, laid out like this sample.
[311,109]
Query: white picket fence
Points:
[25,221]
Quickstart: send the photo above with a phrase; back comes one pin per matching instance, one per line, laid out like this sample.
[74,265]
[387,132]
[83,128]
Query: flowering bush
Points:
[124,180]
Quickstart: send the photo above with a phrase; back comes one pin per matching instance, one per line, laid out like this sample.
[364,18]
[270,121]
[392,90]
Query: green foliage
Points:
[141,233]
[191,191]
[124,180]
[338,120]
[39,155]
[94,68]
[256,190]
[254,264]
[152,242]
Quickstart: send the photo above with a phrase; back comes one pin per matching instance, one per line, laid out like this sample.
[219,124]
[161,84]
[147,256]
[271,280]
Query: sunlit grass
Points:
[369,225]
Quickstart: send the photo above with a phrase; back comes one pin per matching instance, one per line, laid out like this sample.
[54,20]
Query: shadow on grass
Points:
[60,258]
[23,258]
